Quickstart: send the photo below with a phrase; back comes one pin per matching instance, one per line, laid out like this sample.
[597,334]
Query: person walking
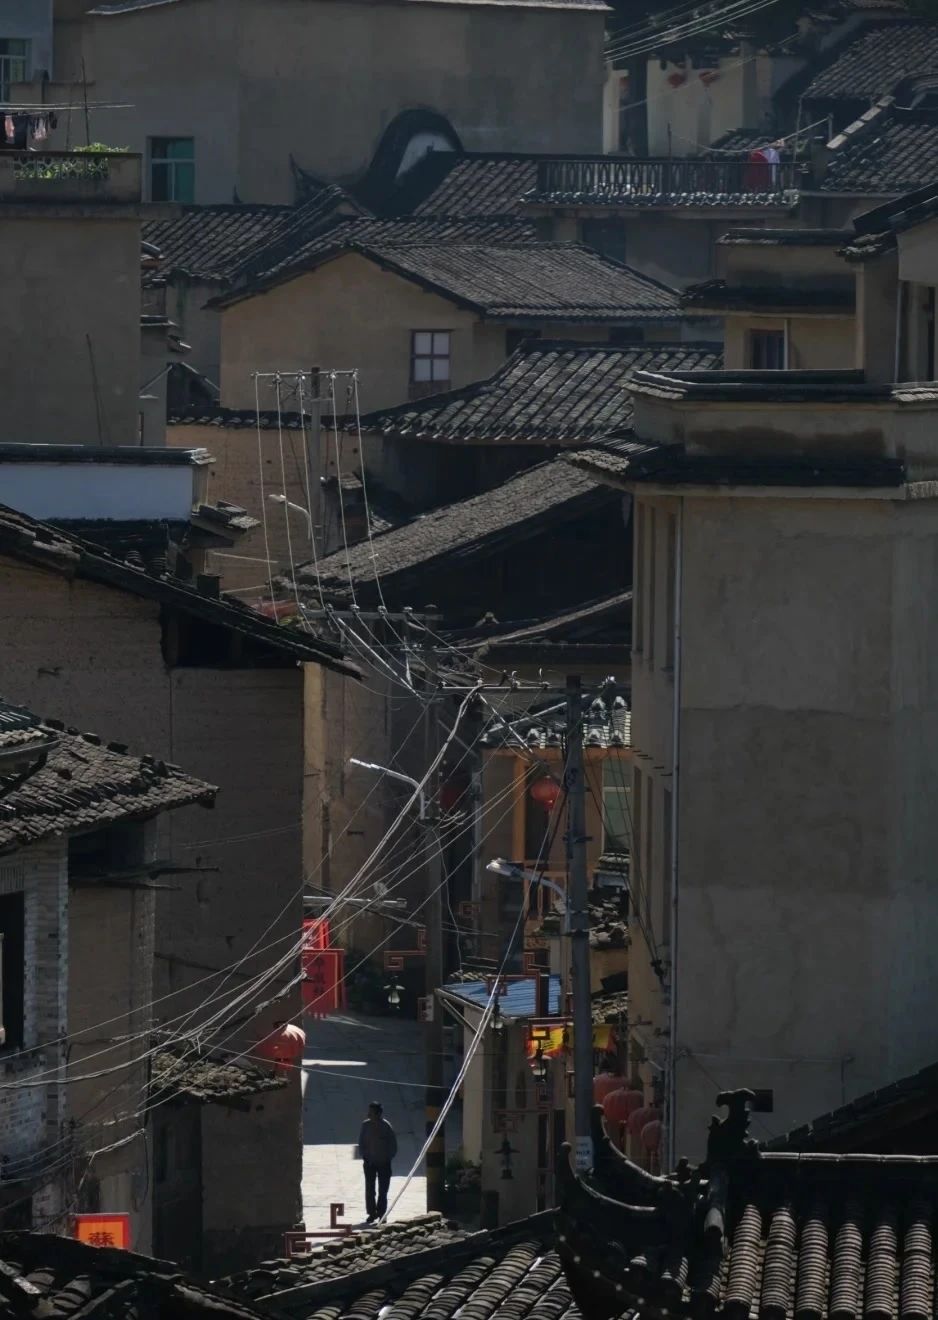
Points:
[377,1146]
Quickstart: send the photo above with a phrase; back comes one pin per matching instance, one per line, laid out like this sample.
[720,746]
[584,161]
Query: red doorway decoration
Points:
[323,971]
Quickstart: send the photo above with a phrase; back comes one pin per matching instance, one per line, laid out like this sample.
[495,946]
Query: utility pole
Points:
[579,929]
[433,1027]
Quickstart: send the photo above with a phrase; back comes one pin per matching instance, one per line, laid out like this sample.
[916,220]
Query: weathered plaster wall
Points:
[348,313]
[808,708]
[72,294]
[322,82]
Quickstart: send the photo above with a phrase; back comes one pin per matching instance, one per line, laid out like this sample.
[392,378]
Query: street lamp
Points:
[393,774]
[297,508]
[515,871]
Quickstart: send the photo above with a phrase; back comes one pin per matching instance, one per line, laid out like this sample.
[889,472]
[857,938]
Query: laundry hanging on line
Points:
[18,129]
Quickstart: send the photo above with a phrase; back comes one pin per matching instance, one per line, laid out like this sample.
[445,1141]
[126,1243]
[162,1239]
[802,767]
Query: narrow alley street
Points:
[351,1060]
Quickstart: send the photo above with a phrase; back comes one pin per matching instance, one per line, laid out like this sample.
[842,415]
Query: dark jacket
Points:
[377,1143]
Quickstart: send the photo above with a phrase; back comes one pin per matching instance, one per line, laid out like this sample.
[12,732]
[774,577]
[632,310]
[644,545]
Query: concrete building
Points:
[782,529]
[70,231]
[77,925]
[90,638]
[411,76]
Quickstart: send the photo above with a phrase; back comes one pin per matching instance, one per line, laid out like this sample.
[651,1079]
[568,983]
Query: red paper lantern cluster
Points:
[651,1135]
[603,1084]
[620,1105]
[641,1117]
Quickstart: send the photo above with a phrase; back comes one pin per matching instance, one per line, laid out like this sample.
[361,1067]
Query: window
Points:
[14,64]
[12,937]
[616,806]
[671,587]
[430,359]
[767,350]
[172,169]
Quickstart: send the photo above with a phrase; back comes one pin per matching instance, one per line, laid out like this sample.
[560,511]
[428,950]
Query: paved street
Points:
[349,1061]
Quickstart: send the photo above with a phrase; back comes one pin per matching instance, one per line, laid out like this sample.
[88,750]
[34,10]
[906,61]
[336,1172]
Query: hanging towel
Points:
[9,129]
[40,129]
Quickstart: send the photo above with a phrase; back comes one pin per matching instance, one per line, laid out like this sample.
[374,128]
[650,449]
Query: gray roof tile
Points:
[876,62]
[548,392]
[559,281]
[83,785]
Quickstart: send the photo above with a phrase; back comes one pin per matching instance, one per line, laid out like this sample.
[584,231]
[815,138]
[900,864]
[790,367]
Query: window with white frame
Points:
[14,63]
[172,169]
[430,358]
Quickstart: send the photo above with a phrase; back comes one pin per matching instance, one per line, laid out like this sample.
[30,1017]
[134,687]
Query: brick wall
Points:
[91,656]
[32,1118]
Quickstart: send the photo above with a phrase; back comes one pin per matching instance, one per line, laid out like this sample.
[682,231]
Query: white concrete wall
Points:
[98,490]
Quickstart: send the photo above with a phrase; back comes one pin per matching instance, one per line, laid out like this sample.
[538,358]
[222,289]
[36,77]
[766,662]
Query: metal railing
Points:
[70,176]
[613,181]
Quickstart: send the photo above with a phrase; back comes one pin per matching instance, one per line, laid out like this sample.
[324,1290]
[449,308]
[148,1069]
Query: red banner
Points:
[323,981]
[316,934]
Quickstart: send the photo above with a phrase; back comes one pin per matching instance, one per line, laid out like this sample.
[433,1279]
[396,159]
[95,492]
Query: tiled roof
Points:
[548,392]
[560,281]
[294,251]
[888,150]
[506,1272]
[50,548]
[43,1275]
[752,1233]
[876,62]
[610,1006]
[21,730]
[719,296]
[609,614]
[871,1121]
[609,929]
[210,243]
[198,414]
[875,231]
[83,785]
[467,185]
[209,1076]
[673,465]
[832,238]
[346,1256]
[453,533]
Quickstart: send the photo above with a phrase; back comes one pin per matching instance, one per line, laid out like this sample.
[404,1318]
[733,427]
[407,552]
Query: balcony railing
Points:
[661,181]
[70,176]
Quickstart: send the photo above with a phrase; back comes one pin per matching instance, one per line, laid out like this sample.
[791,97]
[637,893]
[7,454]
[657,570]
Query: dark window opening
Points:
[767,350]
[12,968]
[172,169]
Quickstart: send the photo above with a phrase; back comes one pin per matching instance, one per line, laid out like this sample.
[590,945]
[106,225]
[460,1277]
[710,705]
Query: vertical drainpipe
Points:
[671,1153]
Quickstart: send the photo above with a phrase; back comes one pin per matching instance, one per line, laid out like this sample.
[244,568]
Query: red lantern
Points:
[603,1084]
[651,1135]
[620,1105]
[708,76]
[283,1047]
[545,793]
[677,79]
[640,1118]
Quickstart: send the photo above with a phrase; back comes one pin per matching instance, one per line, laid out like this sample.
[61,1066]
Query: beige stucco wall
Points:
[815,343]
[348,313]
[322,82]
[69,279]
[807,710]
